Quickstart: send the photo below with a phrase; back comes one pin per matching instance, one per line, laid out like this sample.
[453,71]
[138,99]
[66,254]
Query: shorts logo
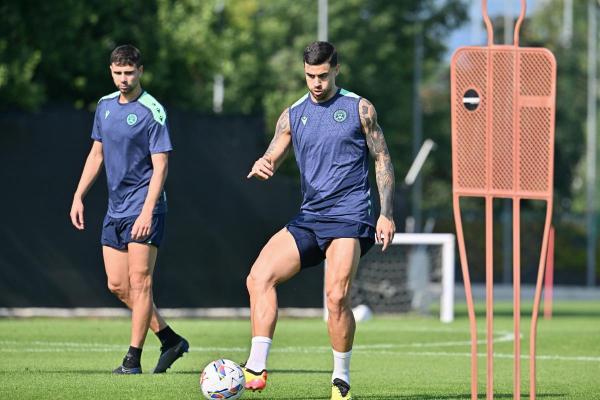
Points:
[340,116]
[131,119]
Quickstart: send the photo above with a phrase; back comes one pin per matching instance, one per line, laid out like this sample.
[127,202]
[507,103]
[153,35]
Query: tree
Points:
[63,47]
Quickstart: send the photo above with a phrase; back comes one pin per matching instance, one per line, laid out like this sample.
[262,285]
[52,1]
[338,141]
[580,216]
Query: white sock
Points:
[341,366]
[257,361]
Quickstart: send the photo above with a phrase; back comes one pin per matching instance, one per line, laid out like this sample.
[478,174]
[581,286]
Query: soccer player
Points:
[331,131]
[131,138]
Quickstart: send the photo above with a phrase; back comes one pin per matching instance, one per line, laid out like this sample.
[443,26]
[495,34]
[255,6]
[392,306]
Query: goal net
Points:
[414,272]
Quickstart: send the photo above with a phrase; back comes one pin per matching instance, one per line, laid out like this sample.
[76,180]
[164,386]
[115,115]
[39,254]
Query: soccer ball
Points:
[362,313]
[222,379]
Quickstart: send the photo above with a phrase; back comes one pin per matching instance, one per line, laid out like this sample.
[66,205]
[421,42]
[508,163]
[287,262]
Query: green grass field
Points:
[394,358]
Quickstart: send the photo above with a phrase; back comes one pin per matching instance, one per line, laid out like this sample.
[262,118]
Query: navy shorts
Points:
[116,232]
[314,234]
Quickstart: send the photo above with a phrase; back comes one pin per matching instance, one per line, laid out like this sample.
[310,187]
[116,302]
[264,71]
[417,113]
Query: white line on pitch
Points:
[498,355]
[285,350]
[384,348]
[99,347]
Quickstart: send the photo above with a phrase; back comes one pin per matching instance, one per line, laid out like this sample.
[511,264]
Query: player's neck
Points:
[130,96]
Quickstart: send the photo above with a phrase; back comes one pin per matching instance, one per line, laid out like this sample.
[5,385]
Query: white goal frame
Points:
[447,241]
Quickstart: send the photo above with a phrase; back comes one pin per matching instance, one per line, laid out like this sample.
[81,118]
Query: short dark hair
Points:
[318,53]
[126,55]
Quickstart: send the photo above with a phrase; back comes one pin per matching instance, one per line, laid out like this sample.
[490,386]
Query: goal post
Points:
[415,270]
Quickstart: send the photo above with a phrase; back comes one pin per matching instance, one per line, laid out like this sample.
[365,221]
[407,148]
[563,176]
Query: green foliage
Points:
[256,44]
[18,62]
[187,52]
[16,75]
[67,43]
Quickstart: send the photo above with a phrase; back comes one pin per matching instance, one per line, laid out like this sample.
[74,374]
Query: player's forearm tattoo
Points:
[384,170]
[283,125]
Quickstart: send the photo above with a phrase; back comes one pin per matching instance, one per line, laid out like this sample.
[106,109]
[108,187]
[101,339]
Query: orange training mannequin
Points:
[503,106]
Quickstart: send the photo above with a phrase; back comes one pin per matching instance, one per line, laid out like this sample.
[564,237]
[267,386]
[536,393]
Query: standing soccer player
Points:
[131,138]
[331,131]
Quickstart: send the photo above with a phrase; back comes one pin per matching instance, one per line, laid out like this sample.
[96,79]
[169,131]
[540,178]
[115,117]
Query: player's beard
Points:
[320,96]
[125,89]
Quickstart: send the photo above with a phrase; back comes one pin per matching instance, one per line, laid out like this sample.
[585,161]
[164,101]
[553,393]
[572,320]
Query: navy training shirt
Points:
[332,155]
[130,133]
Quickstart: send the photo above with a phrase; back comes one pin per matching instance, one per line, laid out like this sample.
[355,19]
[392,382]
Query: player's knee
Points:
[257,282]
[140,282]
[119,289]
[337,300]
[249,283]
[254,283]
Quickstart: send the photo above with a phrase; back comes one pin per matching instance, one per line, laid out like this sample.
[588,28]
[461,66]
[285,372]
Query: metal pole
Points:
[506,204]
[508,23]
[417,190]
[591,145]
[218,78]
[549,276]
[567,31]
[323,28]
[418,162]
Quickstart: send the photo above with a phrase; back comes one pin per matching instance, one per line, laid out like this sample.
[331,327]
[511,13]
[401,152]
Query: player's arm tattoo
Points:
[384,170]
[278,148]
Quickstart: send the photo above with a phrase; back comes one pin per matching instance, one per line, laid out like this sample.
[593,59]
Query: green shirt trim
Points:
[345,92]
[158,111]
[300,100]
[109,96]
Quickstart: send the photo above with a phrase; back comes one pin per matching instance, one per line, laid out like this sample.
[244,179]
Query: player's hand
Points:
[141,227]
[77,214]
[384,232]
[262,169]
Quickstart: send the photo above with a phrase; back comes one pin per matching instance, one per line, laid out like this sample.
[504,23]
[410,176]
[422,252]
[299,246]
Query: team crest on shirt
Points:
[340,115]
[131,119]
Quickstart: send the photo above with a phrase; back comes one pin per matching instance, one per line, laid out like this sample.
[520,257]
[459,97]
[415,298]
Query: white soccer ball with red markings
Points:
[222,379]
